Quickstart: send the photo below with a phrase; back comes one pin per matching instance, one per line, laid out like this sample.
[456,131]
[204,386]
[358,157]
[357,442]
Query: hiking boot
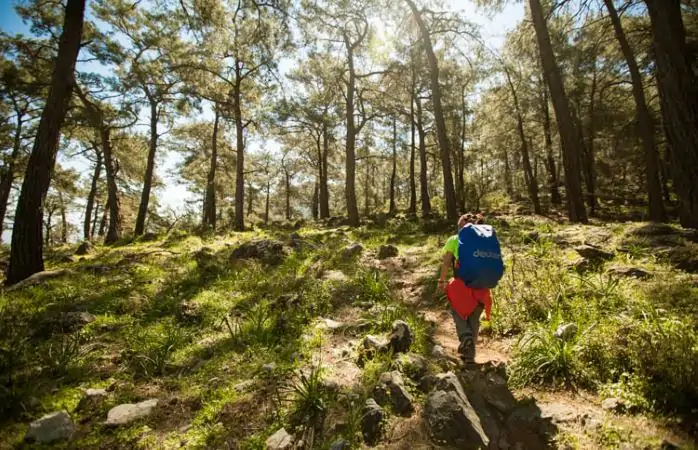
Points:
[466,350]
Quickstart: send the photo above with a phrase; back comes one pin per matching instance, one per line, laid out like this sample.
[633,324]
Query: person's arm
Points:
[446,264]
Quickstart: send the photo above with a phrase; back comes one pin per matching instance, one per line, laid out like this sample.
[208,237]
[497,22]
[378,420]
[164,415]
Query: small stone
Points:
[330,324]
[92,399]
[75,320]
[387,251]
[352,251]
[630,272]
[566,331]
[593,254]
[57,426]
[438,352]
[376,343]
[280,440]
[613,404]
[391,390]
[127,413]
[560,413]
[372,422]
[269,367]
[401,337]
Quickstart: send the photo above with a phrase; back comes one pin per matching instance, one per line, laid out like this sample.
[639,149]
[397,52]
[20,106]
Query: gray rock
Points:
[352,251]
[57,426]
[372,422]
[128,412]
[75,320]
[452,421]
[391,391]
[613,404]
[412,365]
[387,251]
[630,272]
[438,352]
[527,429]
[566,331]
[401,337]
[376,343]
[341,444]
[266,250]
[84,248]
[280,440]
[560,413]
[92,399]
[269,367]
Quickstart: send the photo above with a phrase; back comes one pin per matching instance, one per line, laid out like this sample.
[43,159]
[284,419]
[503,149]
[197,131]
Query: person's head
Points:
[469,218]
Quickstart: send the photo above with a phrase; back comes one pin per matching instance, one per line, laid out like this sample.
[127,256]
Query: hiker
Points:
[475,256]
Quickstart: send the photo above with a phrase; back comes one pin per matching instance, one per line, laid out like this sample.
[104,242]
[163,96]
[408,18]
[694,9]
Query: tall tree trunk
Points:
[240,148]
[508,183]
[460,160]
[210,200]
[324,191]
[7,177]
[149,169]
[26,254]
[105,219]
[589,160]
[367,190]
[644,119]
[87,231]
[423,175]
[47,224]
[441,134]
[113,201]
[95,215]
[572,147]
[350,182]
[412,209]
[392,209]
[553,183]
[250,198]
[64,219]
[314,201]
[287,179]
[529,177]
[266,203]
[679,98]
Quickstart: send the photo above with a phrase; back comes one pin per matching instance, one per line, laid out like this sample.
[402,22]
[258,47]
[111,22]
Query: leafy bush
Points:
[150,349]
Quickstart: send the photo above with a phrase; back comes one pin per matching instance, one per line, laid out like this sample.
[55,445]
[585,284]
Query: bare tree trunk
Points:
[644,119]
[572,147]
[149,169]
[460,160]
[287,179]
[412,209]
[589,160]
[87,231]
[679,98]
[441,134]
[553,182]
[250,198]
[393,175]
[423,175]
[240,160]
[508,183]
[94,222]
[64,219]
[529,177]
[113,201]
[350,183]
[266,203]
[26,254]
[314,201]
[105,220]
[7,176]
[47,224]
[209,219]
[324,190]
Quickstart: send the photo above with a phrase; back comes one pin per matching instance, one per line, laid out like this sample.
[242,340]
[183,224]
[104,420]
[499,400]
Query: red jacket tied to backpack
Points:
[465,299]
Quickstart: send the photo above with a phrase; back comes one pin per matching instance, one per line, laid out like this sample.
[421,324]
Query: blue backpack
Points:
[479,257]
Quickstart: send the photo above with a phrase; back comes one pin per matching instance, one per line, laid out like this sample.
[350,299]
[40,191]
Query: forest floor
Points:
[221,341]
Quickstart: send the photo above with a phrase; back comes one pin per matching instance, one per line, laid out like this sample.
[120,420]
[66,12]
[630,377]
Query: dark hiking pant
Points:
[467,330]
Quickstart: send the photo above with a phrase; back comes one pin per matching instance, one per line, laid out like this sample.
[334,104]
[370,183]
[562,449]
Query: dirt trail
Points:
[578,416]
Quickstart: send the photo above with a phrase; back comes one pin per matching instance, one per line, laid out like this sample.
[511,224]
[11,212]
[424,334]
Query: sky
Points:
[174,194]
